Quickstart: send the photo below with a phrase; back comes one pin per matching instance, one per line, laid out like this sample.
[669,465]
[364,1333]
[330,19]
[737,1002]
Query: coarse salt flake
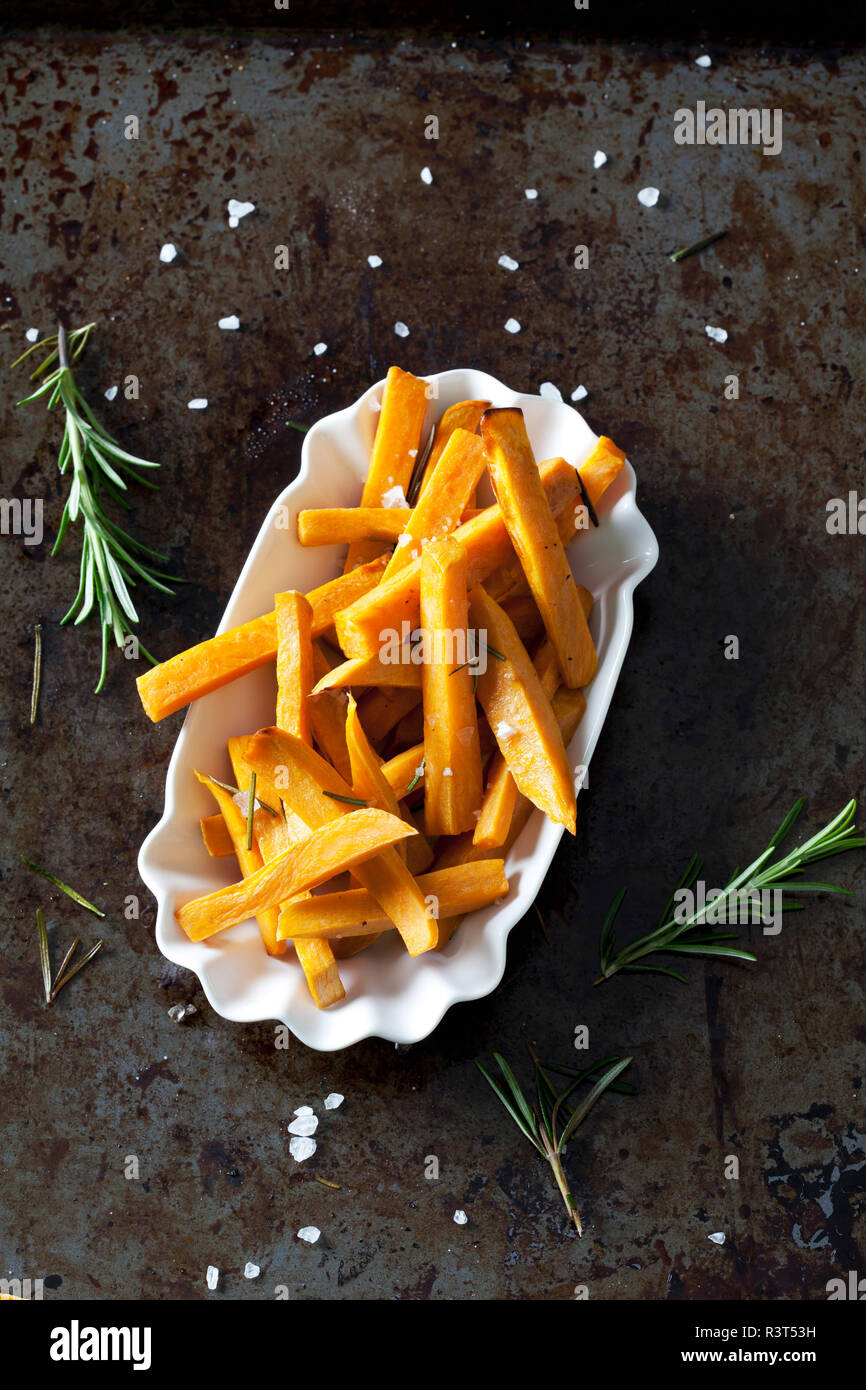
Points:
[238,210]
[32,335]
[446,772]
[426,176]
[718,335]
[374,262]
[178,1012]
[405,539]
[110,393]
[531,193]
[400,329]
[394,497]
[598,159]
[508,263]
[304,1125]
[320,348]
[705,61]
[251,1271]
[304,1110]
[302,1147]
[334,1101]
[512,326]
[167,253]
[549,391]
[310,1234]
[648,197]
[718,1238]
[460,1217]
[198,403]
[230,322]
[505,730]
[579,393]
[212,1276]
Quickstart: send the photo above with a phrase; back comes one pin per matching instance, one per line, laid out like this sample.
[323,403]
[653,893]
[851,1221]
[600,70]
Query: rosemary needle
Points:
[236,791]
[349,800]
[701,245]
[64,887]
[251,807]
[85,959]
[419,773]
[44,955]
[37,671]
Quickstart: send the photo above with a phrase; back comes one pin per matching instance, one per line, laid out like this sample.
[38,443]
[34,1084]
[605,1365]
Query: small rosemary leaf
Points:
[514,1087]
[654,970]
[251,806]
[235,791]
[119,584]
[595,1094]
[493,652]
[516,1117]
[791,818]
[417,778]
[85,959]
[37,671]
[810,888]
[293,425]
[63,964]
[349,800]
[610,918]
[44,954]
[64,887]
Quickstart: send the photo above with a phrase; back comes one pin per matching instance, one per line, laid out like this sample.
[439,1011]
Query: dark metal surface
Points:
[765,1063]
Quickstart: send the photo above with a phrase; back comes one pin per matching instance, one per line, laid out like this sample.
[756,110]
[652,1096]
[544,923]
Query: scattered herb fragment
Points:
[251,807]
[698,246]
[37,671]
[64,887]
[349,800]
[419,773]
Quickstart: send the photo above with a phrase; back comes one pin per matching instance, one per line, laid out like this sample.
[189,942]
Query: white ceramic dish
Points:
[388,995]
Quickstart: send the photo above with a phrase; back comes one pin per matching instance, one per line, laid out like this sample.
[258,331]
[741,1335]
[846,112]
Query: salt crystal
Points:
[320,348]
[718,335]
[302,1148]
[304,1110]
[178,1012]
[374,262]
[334,1101]
[32,335]
[649,197]
[167,253]
[508,263]
[401,330]
[405,539]
[598,159]
[238,210]
[242,801]
[110,393]
[305,1125]
[579,393]
[460,1217]
[213,1275]
[718,1238]
[229,323]
[419,771]
[705,61]
[446,772]
[504,729]
[531,192]
[310,1234]
[512,326]
[426,176]
[251,1271]
[200,403]
[394,497]
[549,391]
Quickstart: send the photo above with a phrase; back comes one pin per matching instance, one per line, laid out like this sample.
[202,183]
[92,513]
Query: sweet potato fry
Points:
[370,670]
[500,793]
[391,612]
[462,416]
[447,489]
[461,889]
[452,752]
[382,709]
[406,770]
[317,793]
[345,843]
[328,716]
[294,662]
[520,715]
[534,534]
[395,448]
[339,525]
[368,781]
[166,688]
[215,833]
[249,860]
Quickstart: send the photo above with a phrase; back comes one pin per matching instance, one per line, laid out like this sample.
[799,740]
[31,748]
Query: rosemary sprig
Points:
[251,807]
[693,250]
[549,1122]
[112,561]
[694,935]
[64,887]
[37,671]
[349,800]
